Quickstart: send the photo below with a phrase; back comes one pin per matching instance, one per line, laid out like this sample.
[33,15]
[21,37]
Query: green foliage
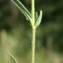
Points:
[52,23]
[31,17]
[38,21]
[27,14]
[23,9]
[15,61]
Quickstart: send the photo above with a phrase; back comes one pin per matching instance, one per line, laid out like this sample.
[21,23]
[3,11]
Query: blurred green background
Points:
[15,32]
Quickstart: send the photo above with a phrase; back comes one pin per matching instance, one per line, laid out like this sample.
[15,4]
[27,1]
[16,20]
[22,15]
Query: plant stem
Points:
[33,31]
[33,11]
[33,45]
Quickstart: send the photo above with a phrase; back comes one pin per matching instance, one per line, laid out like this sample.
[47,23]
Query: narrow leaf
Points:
[36,15]
[15,61]
[20,5]
[23,9]
[37,23]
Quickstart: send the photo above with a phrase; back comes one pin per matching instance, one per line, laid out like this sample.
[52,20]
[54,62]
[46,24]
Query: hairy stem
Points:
[33,45]
[33,11]
[33,31]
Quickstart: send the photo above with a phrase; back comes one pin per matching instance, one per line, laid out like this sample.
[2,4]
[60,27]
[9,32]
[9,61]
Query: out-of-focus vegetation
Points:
[15,33]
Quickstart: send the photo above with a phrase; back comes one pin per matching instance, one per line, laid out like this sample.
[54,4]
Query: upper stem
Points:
[33,11]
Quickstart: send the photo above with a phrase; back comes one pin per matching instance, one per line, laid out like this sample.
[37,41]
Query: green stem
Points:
[33,31]
[33,11]
[33,44]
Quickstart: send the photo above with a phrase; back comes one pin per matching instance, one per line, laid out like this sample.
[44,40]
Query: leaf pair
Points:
[38,19]
[27,14]
[23,9]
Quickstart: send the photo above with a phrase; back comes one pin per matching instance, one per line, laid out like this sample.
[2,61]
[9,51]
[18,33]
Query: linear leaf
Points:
[15,61]
[22,8]
[37,23]
[36,15]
